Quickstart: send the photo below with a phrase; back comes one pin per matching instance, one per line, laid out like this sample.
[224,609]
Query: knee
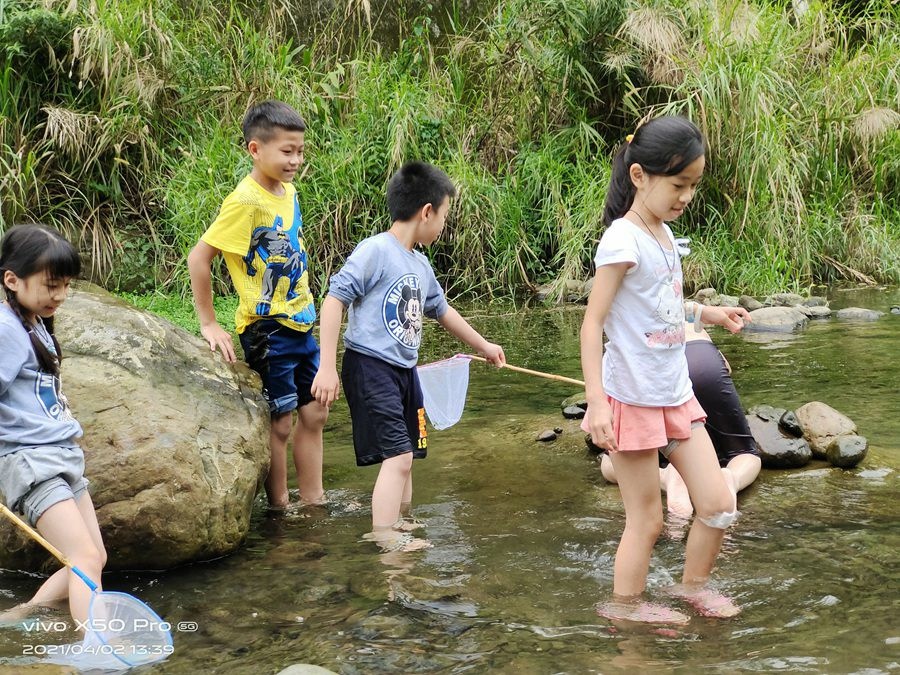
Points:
[281,426]
[314,415]
[606,468]
[90,557]
[648,526]
[401,463]
[718,511]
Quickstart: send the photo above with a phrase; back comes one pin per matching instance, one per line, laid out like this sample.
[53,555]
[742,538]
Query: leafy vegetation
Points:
[119,123]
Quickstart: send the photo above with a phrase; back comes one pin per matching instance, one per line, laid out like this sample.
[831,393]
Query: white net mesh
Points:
[444,385]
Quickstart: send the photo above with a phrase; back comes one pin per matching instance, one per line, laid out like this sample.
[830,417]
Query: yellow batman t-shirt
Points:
[261,237]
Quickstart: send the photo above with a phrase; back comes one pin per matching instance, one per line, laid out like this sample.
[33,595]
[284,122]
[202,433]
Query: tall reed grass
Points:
[119,122]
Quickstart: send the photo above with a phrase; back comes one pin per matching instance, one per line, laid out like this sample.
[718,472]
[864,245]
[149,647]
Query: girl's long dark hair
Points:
[663,147]
[32,249]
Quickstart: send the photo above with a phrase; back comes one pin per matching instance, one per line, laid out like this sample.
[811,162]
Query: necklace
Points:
[661,248]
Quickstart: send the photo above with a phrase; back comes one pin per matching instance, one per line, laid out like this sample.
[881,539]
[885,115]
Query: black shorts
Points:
[714,389]
[386,409]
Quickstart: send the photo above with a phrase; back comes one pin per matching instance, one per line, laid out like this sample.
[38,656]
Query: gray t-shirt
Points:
[33,411]
[388,289]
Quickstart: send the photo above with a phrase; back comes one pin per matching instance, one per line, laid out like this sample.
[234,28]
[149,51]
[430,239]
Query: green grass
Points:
[119,123]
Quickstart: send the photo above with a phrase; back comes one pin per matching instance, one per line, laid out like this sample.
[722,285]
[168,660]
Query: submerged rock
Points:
[858,314]
[176,440]
[847,451]
[573,412]
[822,424]
[546,436]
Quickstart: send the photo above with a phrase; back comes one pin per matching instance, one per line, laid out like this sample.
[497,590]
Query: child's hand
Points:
[326,386]
[494,354]
[217,336]
[599,420]
[732,319]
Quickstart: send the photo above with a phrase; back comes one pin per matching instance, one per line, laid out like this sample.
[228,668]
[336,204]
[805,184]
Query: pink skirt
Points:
[639,428]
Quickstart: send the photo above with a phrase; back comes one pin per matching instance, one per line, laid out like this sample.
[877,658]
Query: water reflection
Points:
[524,537]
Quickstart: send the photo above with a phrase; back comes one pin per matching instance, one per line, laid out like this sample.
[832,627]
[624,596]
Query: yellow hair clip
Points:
[628,138]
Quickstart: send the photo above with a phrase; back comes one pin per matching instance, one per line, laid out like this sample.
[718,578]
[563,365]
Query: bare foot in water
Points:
[640,611]
[15,615]
[389,539]
[705,600]
[678,501]
[408,525]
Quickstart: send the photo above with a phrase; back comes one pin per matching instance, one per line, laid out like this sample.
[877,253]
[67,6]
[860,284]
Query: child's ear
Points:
[253,147]
[10,280]
[637,175]
[427,210]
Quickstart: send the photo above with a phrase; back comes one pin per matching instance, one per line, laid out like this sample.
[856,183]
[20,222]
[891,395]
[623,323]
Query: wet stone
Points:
[573,412]
[815,301]
[749,303]
[789,424]
[818,312]
[778,450]
[579,400]
[858,314]
[546,436]
[847,451]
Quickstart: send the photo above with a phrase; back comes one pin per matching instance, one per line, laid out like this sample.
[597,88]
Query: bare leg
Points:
[638,474]
[743,470]
[56,587]
[390,485]
[64,526]
[678,500]
[276,480]
[697,463]
[308,452]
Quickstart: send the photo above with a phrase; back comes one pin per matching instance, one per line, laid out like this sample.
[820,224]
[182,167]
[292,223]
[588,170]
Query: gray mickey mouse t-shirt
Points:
[33,411]
[388,289]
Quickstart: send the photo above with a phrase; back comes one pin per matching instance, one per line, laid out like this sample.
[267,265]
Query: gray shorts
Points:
[673,443]
[35,479]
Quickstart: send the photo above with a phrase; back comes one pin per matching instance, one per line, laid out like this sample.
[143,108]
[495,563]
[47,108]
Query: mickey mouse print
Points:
[402,311]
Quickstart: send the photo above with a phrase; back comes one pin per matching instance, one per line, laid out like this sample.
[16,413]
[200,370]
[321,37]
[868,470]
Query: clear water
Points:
[524,536]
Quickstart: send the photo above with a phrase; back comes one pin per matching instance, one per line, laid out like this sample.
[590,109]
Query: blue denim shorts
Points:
[287,361]
[34,479]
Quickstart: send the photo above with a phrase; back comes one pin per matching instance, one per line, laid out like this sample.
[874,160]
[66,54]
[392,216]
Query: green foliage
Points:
[180,311]
[119,123]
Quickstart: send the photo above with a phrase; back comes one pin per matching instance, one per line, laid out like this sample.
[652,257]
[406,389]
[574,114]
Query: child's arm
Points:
[606,284]
[326,384]
[732,319]
[460,328]
[199,265]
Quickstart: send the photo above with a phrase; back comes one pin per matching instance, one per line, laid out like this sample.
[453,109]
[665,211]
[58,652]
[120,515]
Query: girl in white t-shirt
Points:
[639,395]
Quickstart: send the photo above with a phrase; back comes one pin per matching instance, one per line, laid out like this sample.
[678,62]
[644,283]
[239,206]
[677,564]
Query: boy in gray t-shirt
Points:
[389,287]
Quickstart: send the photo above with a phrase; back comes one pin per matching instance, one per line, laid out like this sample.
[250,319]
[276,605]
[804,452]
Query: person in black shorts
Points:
[725,422]
[388,287]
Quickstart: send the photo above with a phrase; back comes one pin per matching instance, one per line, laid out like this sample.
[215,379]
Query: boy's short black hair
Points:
[413,186]
[264,118]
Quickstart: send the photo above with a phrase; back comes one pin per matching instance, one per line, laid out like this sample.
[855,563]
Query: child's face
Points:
[666,197]
[279,158]
[39,294]
[433,224]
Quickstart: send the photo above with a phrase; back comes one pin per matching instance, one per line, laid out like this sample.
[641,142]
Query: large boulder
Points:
[176,440]
[821,425]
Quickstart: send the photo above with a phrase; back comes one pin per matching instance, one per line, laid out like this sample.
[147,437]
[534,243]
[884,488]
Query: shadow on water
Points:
[524,537]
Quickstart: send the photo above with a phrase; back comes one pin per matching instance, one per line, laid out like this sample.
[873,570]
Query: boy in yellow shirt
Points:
[259,232]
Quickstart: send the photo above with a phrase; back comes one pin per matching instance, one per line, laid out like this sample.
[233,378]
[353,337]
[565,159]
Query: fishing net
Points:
[121,632]
[444,385]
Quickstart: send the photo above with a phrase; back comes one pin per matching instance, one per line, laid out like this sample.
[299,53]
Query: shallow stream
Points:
[524,536]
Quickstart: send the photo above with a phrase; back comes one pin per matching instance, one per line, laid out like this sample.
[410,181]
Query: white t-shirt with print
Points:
[644,362]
